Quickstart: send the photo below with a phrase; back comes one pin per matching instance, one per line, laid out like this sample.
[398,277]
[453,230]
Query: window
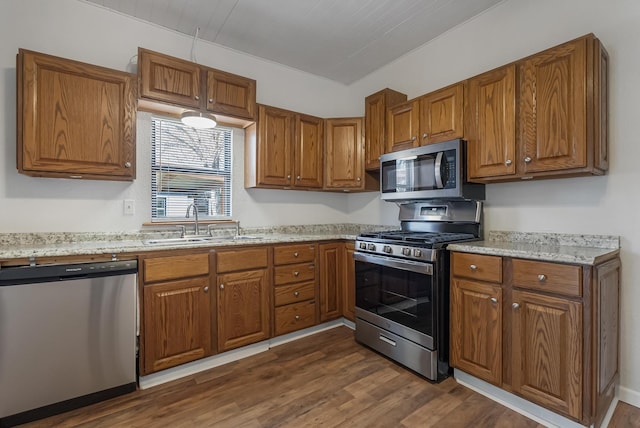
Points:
[189,166]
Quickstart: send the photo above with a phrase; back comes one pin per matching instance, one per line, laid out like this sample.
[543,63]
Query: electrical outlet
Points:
[129,207]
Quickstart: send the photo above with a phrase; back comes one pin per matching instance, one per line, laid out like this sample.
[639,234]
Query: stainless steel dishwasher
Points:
[67,337]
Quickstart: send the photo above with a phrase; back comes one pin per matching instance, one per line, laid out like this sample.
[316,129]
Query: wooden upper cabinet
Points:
[441,115]
[344,154]
[562,113]
[75,120]
[274,146]
[490,124]
[169,79]
[547,334]
[183,83]
[231,95]
[375,124]
[403,126]
[308,167]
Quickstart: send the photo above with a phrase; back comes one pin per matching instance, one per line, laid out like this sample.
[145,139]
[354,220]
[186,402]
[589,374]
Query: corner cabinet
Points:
[175,81]
[176,310]
[75,120]
[542,117]
[545,331]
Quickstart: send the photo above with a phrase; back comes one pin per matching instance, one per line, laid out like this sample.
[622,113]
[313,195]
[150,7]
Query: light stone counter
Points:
[26,245]
[552,247]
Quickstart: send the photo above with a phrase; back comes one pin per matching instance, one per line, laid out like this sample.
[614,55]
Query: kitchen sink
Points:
[198,239]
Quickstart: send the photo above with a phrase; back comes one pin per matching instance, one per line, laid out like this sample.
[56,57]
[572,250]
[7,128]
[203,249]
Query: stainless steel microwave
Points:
[435,171]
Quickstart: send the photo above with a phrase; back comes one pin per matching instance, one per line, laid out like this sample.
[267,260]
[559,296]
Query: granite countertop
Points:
[552,247]
[27,245]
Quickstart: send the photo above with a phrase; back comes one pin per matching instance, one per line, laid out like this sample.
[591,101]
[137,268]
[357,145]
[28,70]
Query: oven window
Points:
[398,295]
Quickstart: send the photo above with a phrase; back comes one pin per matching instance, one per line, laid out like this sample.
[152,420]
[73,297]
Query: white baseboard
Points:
[629,396]
[194,367]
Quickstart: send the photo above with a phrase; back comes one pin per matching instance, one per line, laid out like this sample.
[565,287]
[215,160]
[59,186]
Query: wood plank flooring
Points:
[323,380]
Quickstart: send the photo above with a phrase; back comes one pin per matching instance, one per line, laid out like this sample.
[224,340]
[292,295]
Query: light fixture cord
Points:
[193,46]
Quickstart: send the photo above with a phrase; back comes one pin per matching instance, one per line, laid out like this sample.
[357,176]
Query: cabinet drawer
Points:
[294,254]
[242,259]
[551,277]
[175,267]
[286,294]
[478,267]
[294,273]
[294,317]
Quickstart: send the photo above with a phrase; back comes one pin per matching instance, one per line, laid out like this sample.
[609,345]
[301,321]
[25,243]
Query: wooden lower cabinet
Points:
[349,283]
[547,332]
[330,279]
[176,311]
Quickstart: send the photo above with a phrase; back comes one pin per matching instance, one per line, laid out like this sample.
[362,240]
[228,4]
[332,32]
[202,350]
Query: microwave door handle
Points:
[438,170]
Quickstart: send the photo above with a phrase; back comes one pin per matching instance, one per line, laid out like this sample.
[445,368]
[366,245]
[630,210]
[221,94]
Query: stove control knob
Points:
[363,246]
[371,247]
[417,252]
[406,251]
[387,249]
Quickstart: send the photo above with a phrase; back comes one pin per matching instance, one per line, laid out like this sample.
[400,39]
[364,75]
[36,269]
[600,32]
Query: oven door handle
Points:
[408,265]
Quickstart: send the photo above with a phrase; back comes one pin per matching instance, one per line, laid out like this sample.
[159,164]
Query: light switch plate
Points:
[129,207]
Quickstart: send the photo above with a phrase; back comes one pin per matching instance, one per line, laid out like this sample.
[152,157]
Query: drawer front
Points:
[286,294]
[294,317]
[241,259]
[551,277]
[175,267]
[478,267]
[294,273]
[299,253]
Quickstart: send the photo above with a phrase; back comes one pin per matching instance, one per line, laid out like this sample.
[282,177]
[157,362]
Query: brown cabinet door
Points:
[331,277]
[344,154]
[75,120]
[231,95]
[441,115]
[275,146]
[177,323]
[547,335]
[476,329]
[375,124]
[552,109]
[243,308]
[491,119]
[402,126]
[169,79]
[349,283]
[309,149]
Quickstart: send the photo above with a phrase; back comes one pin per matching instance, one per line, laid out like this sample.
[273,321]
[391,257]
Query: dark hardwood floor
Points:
[323,380]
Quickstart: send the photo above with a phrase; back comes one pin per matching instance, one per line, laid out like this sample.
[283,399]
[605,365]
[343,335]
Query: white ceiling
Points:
[342,40]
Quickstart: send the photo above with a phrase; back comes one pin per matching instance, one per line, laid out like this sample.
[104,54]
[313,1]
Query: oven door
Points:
[397,295]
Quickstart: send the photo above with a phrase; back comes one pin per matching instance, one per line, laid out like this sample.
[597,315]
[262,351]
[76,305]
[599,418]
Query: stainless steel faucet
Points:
[195,217]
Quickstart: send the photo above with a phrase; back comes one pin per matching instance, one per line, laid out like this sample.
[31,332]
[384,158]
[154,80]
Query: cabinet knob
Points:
[527,160]
[414,138]
[542,277]
[473,268]
[296,273]
[425,135]
[196,97]
[296,293]
[358,179]
[494,300]
[507,162]
[288,176]
[295,254]
[210,100]
[127,164]
[221,286]
[206,289]
[297,317]
[298,177]
[515,306]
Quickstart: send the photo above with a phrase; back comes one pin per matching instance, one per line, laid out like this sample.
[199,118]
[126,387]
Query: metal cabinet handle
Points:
[297,317]
[527,160]
[295,254]
[221,286]
[425,135]
[298,177]
[507,162]
[296,273]
[289,176]
[358,179]
[414,138]
[473,268]
[127,164]
[515,306]
[206,289]
[196,97]
[542,277]
[210,100]
[296,293]
[494,300]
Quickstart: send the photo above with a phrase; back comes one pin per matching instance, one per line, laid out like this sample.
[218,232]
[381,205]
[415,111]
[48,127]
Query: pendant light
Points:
[198,120]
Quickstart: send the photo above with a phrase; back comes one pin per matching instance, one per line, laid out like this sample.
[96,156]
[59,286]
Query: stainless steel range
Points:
[402,283]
